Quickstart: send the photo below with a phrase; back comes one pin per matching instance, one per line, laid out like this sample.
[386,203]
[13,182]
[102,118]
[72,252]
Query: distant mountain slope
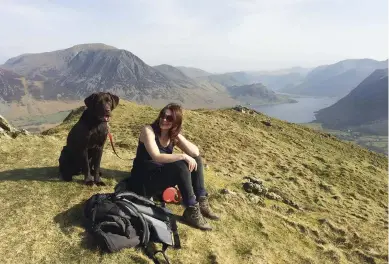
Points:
[76,72]
[175,74]
[193,72]
[336,79]
[256,93]
[11,86]
[41,66]
[231,78]
[118,71]
[366,104]
[279,79]
[273,80]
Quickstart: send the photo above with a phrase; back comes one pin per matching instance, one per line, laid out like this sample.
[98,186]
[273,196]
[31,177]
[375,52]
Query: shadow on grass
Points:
[52,174]
[74,217]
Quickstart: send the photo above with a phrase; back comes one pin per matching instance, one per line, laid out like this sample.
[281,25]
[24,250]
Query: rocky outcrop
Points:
[257,192]
[9,131]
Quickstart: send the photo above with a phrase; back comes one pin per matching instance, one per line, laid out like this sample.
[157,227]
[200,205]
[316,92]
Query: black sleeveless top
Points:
[143,163]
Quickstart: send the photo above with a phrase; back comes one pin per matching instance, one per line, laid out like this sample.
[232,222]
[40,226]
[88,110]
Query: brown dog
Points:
[85,141]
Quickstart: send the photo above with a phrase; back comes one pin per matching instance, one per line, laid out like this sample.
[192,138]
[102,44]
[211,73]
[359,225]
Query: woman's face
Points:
[166,120]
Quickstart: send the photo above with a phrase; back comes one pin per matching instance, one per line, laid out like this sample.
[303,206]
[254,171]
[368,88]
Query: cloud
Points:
[216,35]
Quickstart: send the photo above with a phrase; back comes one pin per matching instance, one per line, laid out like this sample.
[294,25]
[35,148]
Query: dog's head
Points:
[102,104]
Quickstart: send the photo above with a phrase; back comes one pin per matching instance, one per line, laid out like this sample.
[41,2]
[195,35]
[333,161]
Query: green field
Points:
[375,143]
[33,123]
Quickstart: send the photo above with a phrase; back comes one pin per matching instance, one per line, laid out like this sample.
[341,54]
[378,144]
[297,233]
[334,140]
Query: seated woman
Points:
[156,168]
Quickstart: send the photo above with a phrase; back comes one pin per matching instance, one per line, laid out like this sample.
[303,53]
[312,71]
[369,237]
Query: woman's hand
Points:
[191,162]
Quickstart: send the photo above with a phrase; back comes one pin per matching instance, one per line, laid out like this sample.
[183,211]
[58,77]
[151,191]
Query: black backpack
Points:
[125,220]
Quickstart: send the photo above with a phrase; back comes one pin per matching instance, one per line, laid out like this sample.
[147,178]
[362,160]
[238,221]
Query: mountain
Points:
[231,78]
[41,66]
[74,73]
[175,74]
[364,105]
[336,79]
[193,72]
[323,200]
[278,81]
[274,80]
[118,71]
[256,93]
[11,86]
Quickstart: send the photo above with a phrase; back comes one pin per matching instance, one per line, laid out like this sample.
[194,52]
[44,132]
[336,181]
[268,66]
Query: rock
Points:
[7,127]
[290,211]
[266,123]
[226,191]
[256,199]
[273,196]
[253,179]
[291,203]
[244,110]
[248,187]
[24,132]
[213,258]
[4,134]
[9,131]
[255,188]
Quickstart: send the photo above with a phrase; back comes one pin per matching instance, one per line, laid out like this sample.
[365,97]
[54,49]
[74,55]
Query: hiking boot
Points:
[193,217]
[205,210]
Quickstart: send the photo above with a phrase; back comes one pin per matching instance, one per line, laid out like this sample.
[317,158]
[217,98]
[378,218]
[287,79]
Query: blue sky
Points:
[215,35]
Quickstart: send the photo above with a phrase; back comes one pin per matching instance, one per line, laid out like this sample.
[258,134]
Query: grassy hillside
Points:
[336,192]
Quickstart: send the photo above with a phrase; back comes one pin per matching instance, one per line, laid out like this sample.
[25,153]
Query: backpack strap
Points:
[130,196]
[176,237]
[128,207]
[156,261]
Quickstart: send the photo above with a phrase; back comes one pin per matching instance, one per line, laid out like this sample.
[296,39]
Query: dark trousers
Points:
[190,184]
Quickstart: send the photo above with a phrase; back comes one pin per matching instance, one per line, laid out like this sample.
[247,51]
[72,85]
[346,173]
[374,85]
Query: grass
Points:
[340,188]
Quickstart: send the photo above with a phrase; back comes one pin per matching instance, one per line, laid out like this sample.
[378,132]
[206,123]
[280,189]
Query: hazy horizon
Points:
[216,36]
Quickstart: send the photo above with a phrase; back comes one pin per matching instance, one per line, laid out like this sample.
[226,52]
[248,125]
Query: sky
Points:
[214,35]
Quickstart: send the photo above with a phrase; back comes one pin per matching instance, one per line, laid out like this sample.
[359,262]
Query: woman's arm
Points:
[187,146]
[147,136]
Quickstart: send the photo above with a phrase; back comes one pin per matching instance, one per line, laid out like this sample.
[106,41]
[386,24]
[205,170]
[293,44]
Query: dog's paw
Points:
[89,183]
[100,183]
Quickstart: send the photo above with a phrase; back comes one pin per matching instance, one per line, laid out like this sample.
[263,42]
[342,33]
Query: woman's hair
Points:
[176,123]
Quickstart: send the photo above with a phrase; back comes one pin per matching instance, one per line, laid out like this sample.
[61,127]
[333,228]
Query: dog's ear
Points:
[90,100]
[115,100]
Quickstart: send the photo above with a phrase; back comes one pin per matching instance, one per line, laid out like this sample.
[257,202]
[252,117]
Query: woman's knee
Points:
[180,167]
[198,159]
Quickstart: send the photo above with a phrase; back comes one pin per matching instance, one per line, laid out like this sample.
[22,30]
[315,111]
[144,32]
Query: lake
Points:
[300,112]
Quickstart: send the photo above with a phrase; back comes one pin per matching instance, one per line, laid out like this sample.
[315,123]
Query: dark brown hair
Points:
[176,124]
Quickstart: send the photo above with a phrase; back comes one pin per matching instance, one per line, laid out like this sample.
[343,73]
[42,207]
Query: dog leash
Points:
[113,147]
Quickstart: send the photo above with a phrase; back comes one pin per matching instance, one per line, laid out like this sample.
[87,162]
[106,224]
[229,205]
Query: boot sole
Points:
[182,220]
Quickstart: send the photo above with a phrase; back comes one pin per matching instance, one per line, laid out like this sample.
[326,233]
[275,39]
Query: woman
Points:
[156,168]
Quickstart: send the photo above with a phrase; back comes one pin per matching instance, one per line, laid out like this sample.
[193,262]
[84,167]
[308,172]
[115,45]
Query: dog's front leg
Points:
[88,179]
[96,165]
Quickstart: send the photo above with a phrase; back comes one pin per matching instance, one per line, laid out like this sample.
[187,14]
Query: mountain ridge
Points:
[75,72]
[336,79]
[365,104]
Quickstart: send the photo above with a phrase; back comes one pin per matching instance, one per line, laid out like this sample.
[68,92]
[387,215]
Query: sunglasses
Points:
[168,118]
